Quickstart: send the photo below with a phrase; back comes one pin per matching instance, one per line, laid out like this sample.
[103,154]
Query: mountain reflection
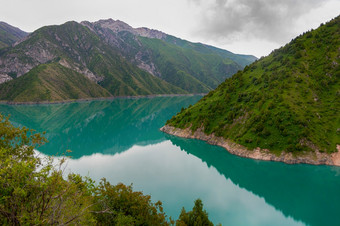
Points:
[108,127]
[307,193]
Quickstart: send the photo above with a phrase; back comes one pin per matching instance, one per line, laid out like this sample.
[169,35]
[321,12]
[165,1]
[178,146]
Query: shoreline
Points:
[5,102]
[312,158]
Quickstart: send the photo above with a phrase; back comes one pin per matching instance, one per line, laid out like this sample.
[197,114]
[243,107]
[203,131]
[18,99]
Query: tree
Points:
[196,217]
[32,190]
[120,205]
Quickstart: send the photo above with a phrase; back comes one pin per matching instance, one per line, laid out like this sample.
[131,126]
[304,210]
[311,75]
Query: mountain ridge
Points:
[123,60]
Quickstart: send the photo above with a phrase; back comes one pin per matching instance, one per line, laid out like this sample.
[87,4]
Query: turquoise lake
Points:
[120,140]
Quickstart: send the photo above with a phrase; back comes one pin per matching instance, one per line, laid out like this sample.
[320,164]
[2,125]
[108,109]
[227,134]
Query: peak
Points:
[150,33]
[115,25]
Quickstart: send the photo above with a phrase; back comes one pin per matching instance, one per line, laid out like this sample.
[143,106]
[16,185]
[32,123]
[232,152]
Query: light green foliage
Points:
[196,217]
[32,190]
[288,100]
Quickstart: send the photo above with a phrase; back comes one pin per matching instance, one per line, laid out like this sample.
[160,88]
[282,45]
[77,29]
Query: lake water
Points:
[120,140]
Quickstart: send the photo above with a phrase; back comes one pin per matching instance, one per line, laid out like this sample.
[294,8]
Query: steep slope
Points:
[9,34]
[51,82]
[285,102]
[191,66]
[242,60]
[78,48]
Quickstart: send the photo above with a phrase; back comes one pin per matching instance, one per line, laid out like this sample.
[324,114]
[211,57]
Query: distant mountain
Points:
[193,67]
[123,60]
[287,101]
[9,35]
[76,47]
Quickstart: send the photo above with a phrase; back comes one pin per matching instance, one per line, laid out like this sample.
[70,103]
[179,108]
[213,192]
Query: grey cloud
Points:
[270,20]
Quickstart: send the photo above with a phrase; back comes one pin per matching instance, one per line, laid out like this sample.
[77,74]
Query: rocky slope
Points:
[193,67]
[76,47]
[287,102]
[9,35]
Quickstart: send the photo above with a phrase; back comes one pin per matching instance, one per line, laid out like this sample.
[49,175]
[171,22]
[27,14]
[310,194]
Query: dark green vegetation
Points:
[197,216]
[288,100]
[121,61]
[51,82]
[9,35]
[35,190]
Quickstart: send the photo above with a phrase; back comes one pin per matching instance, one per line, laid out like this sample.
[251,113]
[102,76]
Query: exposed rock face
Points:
[115,25]
[150,33]
[37,54]
[315,158]
[116,32]
[4,78]
[85,71]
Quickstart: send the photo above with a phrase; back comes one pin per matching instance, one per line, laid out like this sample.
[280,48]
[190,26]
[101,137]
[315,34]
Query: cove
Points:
[120,140]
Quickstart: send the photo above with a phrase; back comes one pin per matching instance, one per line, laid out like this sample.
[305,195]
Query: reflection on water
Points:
[99,126]
[120,140]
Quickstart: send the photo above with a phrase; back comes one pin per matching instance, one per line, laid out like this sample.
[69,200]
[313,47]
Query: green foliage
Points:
[196,217]
[288,100]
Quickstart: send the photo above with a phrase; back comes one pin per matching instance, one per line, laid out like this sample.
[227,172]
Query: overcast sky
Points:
[241,26]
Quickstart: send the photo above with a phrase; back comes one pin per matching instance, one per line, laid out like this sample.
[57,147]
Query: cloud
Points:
[269,20]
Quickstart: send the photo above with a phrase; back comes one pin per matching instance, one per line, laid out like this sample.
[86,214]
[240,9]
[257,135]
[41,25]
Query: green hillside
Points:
[187,68]
[240,59]
[51,82]
[288,100]
[9,34]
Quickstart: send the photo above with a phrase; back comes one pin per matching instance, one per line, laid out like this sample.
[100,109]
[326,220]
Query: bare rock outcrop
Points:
[4,78]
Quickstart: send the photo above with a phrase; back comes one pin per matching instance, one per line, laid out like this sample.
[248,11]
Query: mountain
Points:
[193,67]
[9,35]
[123,60]
[287,102]
[76,47]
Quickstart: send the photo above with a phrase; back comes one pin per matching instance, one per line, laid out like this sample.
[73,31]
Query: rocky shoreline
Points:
[315,158]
